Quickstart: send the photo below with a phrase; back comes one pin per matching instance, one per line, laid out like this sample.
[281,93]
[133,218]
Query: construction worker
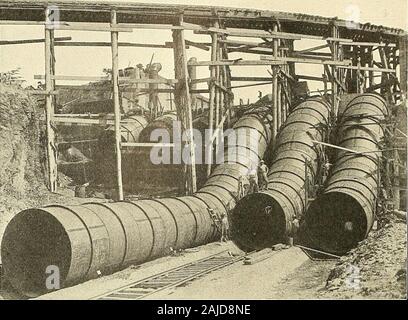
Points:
[224,227]
[325,171]
[243,186]
[263,176]
[253,180]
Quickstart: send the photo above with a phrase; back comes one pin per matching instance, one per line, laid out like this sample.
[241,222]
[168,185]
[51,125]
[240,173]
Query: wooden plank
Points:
[271,35]
[314,48]
[403,58]
[251,85]
[276,107]
[311,78]
[116,105]
[27,41]
[251,79]
[147,145]
[183,102]
[245,43]
[104,78]
[306,60]
[49,111]
[203,80]
[236,63]
[367,44]
[213,75]
[86,27]
[197,45]
[85,121]
[167,45]
[367,69]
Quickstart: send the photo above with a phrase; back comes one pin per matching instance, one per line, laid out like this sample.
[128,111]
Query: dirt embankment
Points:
[22,155]
[376,269]
[21,174]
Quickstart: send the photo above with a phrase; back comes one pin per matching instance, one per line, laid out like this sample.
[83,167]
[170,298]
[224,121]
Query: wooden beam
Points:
[104,78]
[245,43]
[49,110]
[251,85]
[183,102]
[84,121]
[213,75]
[258,79]
[203,80]
[147,145]
[86,27]
[167,45]
[116,104]
[28,41]
[306,60]
[367,44]
[311,78]
[197,45]
[314,48]
[366,69]
[276,109]
[403,59]
[270,35]
[237,63]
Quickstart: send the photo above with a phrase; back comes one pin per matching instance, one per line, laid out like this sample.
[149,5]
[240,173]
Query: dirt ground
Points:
[376,269]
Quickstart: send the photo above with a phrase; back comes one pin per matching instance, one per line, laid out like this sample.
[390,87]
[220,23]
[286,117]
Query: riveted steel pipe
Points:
[165,122]
[343,215]
[265,218]
[83,240]
[130,129]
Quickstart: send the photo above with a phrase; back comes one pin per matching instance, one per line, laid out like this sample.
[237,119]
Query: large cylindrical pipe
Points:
[165,122]
[343,215]
[265,218]
[82,240]
[130,129]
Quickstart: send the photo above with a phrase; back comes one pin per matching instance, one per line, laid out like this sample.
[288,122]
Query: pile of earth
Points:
[22,155]
[376,269]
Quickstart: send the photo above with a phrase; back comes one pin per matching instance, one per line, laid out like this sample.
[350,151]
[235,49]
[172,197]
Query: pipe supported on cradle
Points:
[82,240]
[265,218]
[344,214]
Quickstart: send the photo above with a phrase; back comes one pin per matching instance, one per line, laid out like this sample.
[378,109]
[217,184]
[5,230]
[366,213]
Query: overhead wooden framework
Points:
[365,58]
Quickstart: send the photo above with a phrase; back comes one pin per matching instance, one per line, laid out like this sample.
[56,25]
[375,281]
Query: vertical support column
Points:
[403,64]
[276,113]
[192,73]
[229,99]
[213,74]
[183,103]
[49,106]
[116,104]
[335,51]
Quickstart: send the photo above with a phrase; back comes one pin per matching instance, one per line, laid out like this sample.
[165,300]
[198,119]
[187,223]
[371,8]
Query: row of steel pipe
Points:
[343,215]
[267,217]
[86,240]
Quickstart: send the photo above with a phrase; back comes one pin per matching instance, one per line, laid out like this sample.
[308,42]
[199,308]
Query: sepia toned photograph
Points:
[203,150]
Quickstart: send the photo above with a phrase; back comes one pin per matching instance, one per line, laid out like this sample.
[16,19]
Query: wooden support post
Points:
[183,103]
[276,112]
[403,60]
[192,73]
[396,180]
[213,73]
[49,108]
[116,105]
[335,47]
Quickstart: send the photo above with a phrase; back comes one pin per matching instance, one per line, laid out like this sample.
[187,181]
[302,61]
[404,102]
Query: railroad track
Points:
[171,278]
